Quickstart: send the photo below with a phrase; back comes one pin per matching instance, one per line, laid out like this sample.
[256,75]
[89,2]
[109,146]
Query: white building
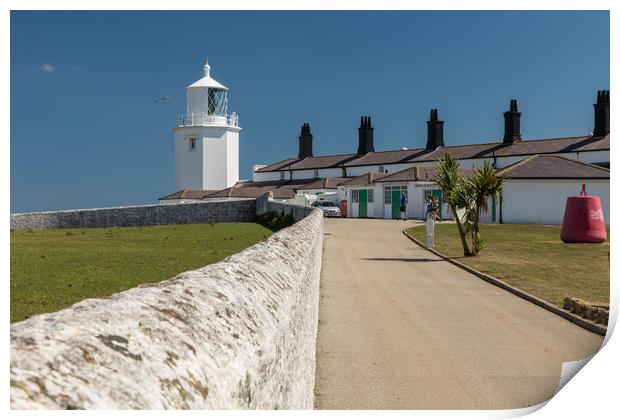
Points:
[535,191]
[206,138]
[540,174]
[545,171]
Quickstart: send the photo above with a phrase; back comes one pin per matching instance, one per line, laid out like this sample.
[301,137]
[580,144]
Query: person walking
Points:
[435,208]
[428,207]
[403,206]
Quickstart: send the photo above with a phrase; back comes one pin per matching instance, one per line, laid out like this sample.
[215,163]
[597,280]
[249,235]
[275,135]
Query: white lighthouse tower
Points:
[207,138]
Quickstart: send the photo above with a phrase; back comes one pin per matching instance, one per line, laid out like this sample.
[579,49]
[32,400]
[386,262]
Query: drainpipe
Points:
[501,200]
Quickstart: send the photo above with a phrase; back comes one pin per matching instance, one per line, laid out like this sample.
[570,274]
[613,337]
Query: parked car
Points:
[330,209]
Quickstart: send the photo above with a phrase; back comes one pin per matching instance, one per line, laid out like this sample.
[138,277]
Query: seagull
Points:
[163,98]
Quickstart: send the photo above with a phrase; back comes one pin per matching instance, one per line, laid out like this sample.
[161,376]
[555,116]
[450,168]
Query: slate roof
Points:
[418,173]
[332,161]
[188,194]
[552,167]
[366,179]
[467,151]
[328,183]
[251,189]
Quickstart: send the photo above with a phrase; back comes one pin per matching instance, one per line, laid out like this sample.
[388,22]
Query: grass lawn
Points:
[534,259]
[52,269]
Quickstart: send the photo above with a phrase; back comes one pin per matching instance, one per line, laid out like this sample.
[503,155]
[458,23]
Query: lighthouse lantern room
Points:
[207,138]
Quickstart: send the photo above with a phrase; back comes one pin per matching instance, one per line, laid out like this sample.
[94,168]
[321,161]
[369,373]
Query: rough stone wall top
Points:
[237,334]
[158,214]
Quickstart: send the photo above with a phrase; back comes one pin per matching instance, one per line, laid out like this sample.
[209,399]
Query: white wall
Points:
[215,156]
[374,209]
[593,157]
[305,174]
[197,100]
[232,158]
[543,202]
[213,165]
[266,176]
[323,173]
[188,163]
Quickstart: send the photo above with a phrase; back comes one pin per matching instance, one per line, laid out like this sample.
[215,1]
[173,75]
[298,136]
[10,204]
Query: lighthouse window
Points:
[192,143]
[217,102]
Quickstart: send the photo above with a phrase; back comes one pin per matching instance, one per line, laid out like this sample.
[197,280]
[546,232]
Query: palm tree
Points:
[455,189]
[484,184]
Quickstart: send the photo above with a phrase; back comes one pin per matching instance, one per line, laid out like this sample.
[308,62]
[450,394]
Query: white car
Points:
[329,208]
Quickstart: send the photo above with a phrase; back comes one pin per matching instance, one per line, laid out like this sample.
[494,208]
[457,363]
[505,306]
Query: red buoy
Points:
[583,219]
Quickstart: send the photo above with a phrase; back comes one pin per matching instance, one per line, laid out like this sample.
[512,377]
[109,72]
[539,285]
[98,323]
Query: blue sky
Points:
[86,133]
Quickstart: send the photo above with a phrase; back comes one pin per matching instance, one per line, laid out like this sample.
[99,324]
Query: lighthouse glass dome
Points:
[207,103]
[217,101]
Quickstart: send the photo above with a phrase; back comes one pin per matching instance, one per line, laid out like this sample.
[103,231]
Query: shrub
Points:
[275,221]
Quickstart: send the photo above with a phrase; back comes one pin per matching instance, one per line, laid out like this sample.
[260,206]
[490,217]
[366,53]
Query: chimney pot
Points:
[305,142]
[365,140]
[434,137]
[601,114]
[512,124]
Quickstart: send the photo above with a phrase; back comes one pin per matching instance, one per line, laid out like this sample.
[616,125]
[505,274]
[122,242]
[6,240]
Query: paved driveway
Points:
[399,328]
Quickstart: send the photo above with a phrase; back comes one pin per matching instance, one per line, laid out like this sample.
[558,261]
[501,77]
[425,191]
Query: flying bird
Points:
[163,98]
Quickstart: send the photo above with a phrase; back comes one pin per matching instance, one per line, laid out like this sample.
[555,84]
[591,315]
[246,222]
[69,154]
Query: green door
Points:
[395,204]
[363,201]
[439,195]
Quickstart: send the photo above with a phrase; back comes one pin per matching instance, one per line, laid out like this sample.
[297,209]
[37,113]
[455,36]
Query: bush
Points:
[275,221]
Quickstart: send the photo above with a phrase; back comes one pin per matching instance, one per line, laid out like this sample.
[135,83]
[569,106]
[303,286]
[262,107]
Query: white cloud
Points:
[75,68]
[48,68]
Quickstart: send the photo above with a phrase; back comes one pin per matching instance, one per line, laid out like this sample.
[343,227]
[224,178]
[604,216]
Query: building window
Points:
[381,168]
[344,172]
[192,143]
[387,192]
[429,193]
[371,195]
[316,173]
[281,176]
[355,196]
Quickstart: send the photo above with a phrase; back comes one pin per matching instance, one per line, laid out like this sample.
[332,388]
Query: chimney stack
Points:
[434,139]
[366,143]
[305,142]
[601,114]
[512,124]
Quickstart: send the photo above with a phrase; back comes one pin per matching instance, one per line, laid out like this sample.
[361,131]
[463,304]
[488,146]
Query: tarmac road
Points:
[401,329]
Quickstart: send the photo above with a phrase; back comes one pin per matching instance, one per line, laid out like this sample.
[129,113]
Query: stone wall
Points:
[237,334]
[158,214]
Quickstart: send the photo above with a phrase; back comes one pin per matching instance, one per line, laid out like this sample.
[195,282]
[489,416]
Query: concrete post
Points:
[430,233]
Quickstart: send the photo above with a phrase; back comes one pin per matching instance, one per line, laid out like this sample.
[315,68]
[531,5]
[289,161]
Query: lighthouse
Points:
[206,138]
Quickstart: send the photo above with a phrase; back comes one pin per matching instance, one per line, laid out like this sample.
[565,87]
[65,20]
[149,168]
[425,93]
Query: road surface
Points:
[401,329]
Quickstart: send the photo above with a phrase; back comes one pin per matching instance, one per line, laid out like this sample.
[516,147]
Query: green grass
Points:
[534,259]
[52,269]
